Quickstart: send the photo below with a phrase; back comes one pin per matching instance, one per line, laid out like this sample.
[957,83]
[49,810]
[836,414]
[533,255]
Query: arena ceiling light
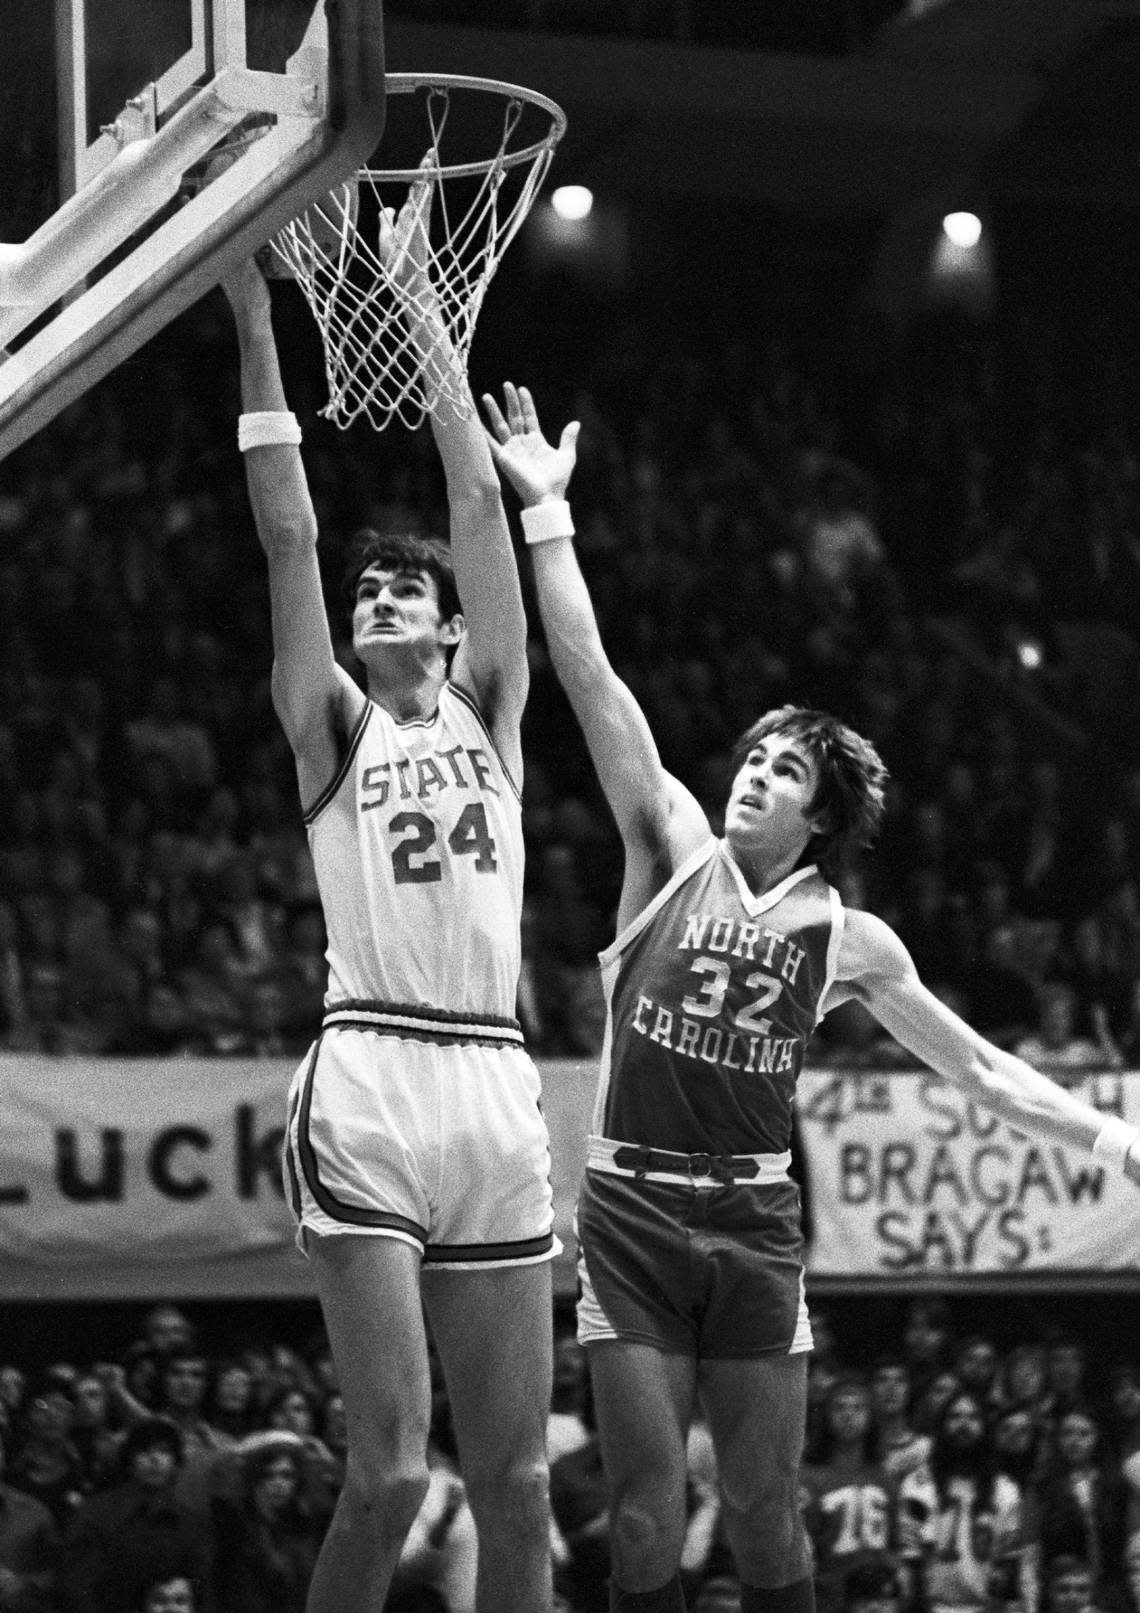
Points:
[572,202]
[962,230]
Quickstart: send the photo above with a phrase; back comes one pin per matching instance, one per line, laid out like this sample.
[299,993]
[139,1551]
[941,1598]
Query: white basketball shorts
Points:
[443,1146]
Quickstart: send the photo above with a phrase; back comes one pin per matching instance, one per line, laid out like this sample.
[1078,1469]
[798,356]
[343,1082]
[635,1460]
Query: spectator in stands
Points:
[849,1499]
[1056,1047]
[900,1446]
[214,988]
[29,1549]
[961,1520]
[1066,1369]
[183,1392]
[927,1339]
[840,547]
[1069,1588]
[1128,1036]
[13,1387]
[1106,942]
[166,1329]
[1122,1428]
[92,1434]
[1019,1444]
[1080,1508]
[125,1538]
[170,1593]
[266,1539]
[230,1406]
[976,1364]
[45,1462]
[1022,1381]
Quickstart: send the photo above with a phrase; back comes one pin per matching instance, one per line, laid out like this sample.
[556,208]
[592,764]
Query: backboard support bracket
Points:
[324,132]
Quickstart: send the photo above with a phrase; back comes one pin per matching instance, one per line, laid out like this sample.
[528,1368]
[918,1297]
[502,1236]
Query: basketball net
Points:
[396,343]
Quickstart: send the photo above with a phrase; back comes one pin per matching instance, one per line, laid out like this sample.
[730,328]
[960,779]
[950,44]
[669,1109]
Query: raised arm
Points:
[312,696]
[655,813]
[876,968]
[491,660]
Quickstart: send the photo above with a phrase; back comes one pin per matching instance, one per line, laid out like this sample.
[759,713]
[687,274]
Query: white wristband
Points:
[542,522]
[267,427]
[1114,1139]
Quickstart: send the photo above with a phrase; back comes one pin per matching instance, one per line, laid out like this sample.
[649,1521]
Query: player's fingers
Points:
[514,407]
[569,439]
[495,416]
[529,412]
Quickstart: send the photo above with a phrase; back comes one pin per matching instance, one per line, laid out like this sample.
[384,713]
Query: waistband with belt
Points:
[695,1170]
[419,1022]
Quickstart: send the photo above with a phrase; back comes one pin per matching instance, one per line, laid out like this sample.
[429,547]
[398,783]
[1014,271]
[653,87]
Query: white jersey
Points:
[418,849]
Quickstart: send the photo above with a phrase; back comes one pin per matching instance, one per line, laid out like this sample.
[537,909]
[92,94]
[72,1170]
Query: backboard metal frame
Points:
[329,109]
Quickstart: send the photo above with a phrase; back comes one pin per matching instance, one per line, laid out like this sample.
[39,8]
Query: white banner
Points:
[907,1177]
[148,1178]
[162,1177]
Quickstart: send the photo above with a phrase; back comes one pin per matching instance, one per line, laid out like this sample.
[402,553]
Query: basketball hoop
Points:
[372,364]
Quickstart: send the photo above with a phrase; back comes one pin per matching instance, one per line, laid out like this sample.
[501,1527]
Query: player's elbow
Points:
[285,537]
[473,493]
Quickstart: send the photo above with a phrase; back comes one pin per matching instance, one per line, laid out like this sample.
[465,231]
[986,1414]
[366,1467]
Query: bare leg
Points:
[756,1411]
[493,1333]
[369,1291]
[644,1401]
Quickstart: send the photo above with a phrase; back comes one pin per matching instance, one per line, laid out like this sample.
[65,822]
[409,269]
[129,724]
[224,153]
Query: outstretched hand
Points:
[405,247]
[534,467]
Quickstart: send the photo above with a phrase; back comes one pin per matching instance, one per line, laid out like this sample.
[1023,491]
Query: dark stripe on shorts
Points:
[352,1214]
[524,1249]
[294,1184]
[449,1027]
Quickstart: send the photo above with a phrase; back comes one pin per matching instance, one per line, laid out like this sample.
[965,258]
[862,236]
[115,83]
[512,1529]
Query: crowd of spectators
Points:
[943,1469]
[940,542]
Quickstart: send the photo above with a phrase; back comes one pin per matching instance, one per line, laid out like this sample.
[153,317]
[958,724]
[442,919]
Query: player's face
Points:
[397,611]
[770,803]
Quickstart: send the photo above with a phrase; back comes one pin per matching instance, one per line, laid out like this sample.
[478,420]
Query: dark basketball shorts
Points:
[715,1272]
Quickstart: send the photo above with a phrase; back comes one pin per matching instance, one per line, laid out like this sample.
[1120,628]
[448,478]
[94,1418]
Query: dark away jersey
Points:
[712,993]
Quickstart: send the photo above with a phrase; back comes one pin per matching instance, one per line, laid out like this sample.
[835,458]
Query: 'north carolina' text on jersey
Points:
[417,844]
[712,993]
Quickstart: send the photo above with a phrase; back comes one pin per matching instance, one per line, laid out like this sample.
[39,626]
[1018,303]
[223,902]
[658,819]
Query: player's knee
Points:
[385,1496]
[765,1531]
[512,1495]
[642,1530]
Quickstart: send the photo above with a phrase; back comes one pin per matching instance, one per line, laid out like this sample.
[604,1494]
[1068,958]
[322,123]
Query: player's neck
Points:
[407,698]
[762,867]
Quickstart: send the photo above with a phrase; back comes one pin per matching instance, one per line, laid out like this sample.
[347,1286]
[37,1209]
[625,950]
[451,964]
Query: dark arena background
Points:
[844,293]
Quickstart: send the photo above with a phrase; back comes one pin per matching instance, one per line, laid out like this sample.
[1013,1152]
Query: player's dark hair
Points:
[851,780]
[407,554]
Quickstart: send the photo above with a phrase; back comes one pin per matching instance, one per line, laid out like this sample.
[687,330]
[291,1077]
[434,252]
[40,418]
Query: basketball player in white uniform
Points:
[727,953]
[417,1159]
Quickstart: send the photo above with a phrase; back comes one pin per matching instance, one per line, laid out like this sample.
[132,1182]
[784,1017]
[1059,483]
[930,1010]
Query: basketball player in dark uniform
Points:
[728,952]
